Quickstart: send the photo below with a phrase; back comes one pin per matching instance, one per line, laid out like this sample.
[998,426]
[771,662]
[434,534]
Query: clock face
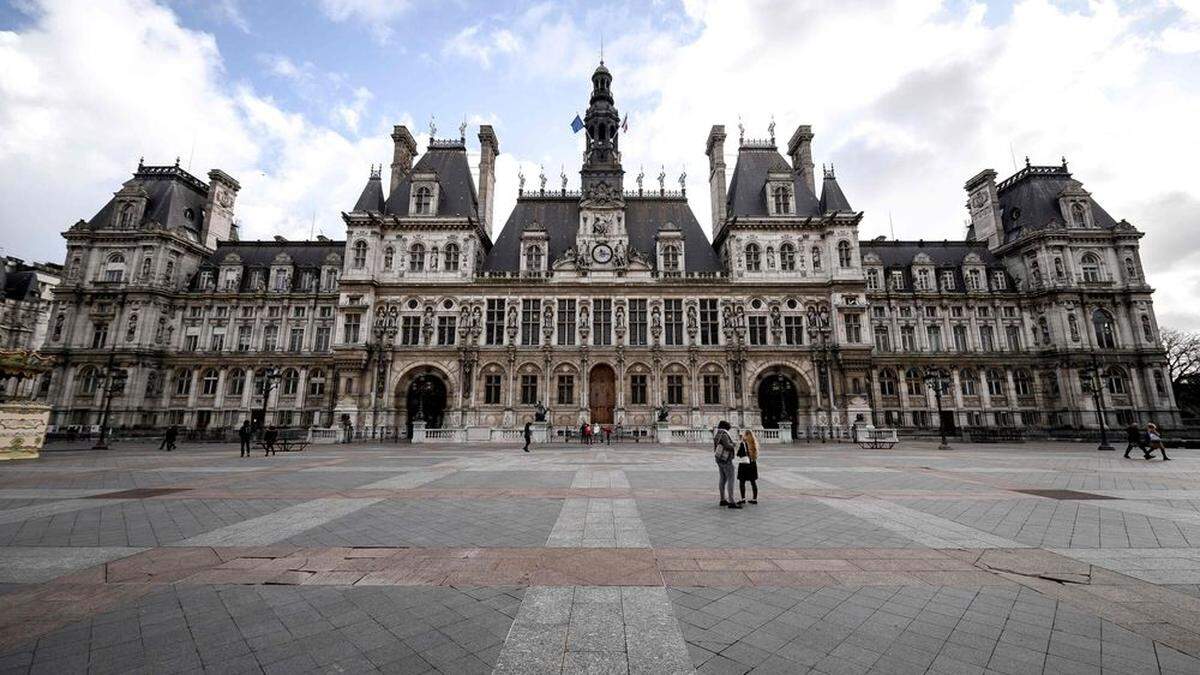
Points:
[601,253]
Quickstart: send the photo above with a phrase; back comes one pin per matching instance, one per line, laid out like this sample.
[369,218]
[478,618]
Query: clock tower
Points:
[602,240]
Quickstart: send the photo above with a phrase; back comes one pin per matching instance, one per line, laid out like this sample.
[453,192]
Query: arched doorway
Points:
[602,393]
[778,401]
[426,400]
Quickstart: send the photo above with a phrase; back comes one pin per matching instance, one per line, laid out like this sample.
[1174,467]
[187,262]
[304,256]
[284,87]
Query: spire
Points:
[832,198]
[602,157]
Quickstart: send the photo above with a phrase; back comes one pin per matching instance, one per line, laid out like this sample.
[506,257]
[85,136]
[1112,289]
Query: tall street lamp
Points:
[385,335]
[268,380]
[820,332]
[938,381]
[114,383]
[1095,382]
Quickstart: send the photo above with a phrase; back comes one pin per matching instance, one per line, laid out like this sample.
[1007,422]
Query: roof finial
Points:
[771,129]
[141,162]
[432,127]
[462,130]
[741,131]
[542,177]
[520,181]
[1064,160]
[176,161]
[640,177]
[662,179]
[602,48]
[1026,161]
[562,174]
[683,181]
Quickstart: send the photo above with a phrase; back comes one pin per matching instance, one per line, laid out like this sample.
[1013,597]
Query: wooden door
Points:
[602,394]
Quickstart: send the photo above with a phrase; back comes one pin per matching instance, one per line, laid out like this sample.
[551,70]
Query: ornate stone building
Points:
[27,297]
[607,304]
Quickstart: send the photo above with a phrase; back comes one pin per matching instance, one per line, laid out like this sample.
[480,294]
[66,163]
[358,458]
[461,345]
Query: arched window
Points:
[1077,215]
[183,382]
[1105,328]
[208,382]
[671,258]
[237,382]
[787,258]
[424,200]
[360,254]
[968,381]
[316,382]
[844,254]
[1147,328]
[816,259]
[533,259]
[416,258]
[1130,269]
[912,382]
[89,381]
[783,200]
[60,322]
[126,221]
[114,267]
[131,328]
[1023,382]
[1090,264]
[753,258]
[1116,381]
[291,382]
[451,253]
[887,382]
[995,382]
[389,257]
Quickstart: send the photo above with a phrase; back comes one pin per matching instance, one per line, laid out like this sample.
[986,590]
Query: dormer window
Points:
[1078,218]
[973,280]
[872,279]
[947,280]
[783,200]
[126,221]
[533,258]
[922,279]
[114,268]
[423,201]
[999,281]
[897,280]
[671,258]
[360,254]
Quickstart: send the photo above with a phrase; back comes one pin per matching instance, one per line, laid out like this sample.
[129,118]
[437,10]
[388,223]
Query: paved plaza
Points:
[1028,558]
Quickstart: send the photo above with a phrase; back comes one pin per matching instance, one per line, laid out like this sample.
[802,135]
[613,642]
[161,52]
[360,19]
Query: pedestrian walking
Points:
[268,439]
[244,435]
[747,468]
[723,451]
[608,435]
[1133,438]
[583,433]
[1154,440]
[528,434]
[168,441]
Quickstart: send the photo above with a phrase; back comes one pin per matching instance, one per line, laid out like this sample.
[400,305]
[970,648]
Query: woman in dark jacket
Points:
[747,469]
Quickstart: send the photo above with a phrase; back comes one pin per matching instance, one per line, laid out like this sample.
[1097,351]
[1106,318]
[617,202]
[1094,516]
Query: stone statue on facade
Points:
[640,177]
[520,181]
[662,412]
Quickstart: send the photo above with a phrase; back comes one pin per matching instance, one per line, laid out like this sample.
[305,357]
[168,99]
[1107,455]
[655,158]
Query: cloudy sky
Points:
[908,98]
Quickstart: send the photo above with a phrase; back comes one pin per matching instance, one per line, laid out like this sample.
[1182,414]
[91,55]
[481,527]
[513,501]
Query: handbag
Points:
[743,454]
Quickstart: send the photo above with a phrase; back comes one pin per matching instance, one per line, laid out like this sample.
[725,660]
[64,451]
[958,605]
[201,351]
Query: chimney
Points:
[983,203]
[218,209]
[800,150]
[715,150]
[489,147]
[404,149]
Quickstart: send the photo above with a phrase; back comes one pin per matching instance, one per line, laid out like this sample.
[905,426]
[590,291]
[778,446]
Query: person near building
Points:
[269,437]
[1134,439]
[1154,442]
[723,452]
[528,434]
[245,433]
[168,441]
[747,468]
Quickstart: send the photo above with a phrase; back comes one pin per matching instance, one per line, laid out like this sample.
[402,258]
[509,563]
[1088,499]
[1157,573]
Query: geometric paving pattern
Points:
[459,559]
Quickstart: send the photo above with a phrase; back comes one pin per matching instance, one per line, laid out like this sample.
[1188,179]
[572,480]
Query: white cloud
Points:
[231,12]
[350,114]
[376,15]
[481,45]
[283,66]
[77,116]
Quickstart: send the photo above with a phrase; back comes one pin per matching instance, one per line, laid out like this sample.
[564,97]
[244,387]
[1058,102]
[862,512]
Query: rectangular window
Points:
[247,312]
[322,340]
[296,340]
[244,333]
[673,322]
[712,389]
[637,324]
[987,340]
[853,328]
[872,279]
[709,321]
[956,312]
[325,311]
[947,280]
[410,330]
[908,339]
[191,343]
[495,321]
[906,312]
[529,393]
[878,312]
[447,330]
[530,314]
[934,335]
[757,328]
[566,323]
[270,338]
[566,390]
[931,311]
[674,390]
[637,389]
[99,335]
[491,389]
[602,322]
[983,312]
[1013,333]
[351,324]
[960,338]
[218,341]
[298,312]
[793,330]
[883,341]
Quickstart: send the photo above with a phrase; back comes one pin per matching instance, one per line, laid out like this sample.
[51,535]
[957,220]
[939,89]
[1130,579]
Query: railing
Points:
[445,435]
[324,435]
[508,435]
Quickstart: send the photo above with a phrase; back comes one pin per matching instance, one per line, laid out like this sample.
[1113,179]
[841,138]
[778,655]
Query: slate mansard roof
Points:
[304,256]
[456,186]
[943,255]
[1029,200]
[644,217]
[747,195]
[171,193]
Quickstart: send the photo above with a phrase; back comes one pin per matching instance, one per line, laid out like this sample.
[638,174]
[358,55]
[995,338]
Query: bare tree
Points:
[1183,353]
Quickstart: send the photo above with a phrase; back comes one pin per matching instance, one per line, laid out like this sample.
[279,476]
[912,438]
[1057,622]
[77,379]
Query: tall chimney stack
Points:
[404,149]
[716,175]
[489,147]
[218,209]
[800,150]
